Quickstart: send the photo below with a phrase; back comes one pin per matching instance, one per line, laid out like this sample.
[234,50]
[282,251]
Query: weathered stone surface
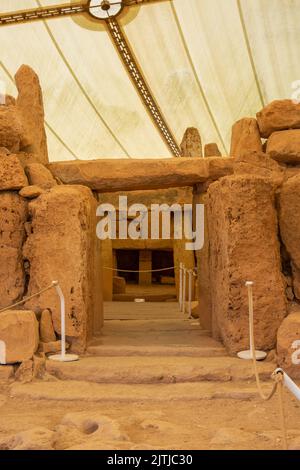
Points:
[51,347]
[277,116]
[63,247]
[4,151]
[47,333]
[245,137]
[203,273]
[119,285]
[30,105]
[24,373]
[132,174]
[244,246]
[289,218]
[31,192]
[38,438]
[6,373]
[13,215]
[212,150]
[12,176]
[19,331]
[39,175]
[259,164]
[11,129]
[284,146]
[191,145]
[287,350]
[107,275]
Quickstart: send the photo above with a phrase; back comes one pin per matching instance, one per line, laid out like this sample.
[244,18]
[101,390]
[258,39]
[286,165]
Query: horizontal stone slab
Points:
[110,175]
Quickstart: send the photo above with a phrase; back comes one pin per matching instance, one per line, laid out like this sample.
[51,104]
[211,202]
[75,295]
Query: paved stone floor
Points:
[152,379]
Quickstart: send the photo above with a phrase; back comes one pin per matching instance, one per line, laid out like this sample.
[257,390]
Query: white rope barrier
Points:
[140,271]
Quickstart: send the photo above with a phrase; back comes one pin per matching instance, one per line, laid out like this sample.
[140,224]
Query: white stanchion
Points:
[248,354]
[62,357]
[190,294]
[184,289]
[180,286]
[289,383]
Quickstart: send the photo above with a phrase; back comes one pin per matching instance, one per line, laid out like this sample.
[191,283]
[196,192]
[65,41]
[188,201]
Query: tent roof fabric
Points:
[208,63]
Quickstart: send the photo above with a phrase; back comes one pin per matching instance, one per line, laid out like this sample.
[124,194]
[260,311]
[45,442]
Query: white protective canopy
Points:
[207,62]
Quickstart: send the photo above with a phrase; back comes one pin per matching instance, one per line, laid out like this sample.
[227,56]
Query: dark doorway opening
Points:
[128,260]
[162,259]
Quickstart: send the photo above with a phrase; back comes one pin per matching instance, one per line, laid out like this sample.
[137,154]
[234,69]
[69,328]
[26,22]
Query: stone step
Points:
[126,351]
[157,370]
[91,392]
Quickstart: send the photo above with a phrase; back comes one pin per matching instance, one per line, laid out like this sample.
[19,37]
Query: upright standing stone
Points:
[203,271]
[244,247]
[289,217]
[62,246]
[191,145]
[145,267]
[13,215]
[245,137]
[212,150]
[31,107]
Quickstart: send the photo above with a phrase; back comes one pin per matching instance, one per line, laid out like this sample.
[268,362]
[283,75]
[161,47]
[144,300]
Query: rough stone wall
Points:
[289,217]
[244,246]
[13,215]
[203,270]
[61,246]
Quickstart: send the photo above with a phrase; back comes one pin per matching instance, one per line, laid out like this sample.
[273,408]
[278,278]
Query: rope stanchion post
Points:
[190,272]
[62,357]
[184,289]
[180,286]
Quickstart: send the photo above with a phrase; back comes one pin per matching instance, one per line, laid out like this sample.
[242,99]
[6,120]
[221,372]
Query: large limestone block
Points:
[19,331]
[12,175]
[277,116]
[245,137]
[13,215]
[30,105]
[284,146]
[290,225]
[212,150]
[62,246]
[288,352]
[39,175]
[191,145]
[11,129]
[244,246]
[260,164]
[204,307]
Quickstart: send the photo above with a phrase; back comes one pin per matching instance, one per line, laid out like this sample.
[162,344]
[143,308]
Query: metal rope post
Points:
[184,289]
[190,272]
[180,286]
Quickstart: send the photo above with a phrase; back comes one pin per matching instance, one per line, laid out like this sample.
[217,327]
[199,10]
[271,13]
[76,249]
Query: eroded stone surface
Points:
[244,246]
[19,331]
[12,176]
[31,192]
[245,137]
[284,146]
[62,246]
[30,105]
[260,164]
[39,175]
[212,150]
[47,333]
[13,215]
[11,129]
[277,116]
[191,145]
[289,217]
